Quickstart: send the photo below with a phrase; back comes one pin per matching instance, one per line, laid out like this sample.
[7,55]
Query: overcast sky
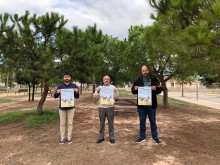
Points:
[113,17]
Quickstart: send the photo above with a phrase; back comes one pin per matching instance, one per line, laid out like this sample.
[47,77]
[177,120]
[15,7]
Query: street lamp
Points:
[197,83]
[7,83]
[5,35]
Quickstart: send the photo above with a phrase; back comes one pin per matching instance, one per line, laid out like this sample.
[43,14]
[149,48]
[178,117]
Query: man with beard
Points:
[66,113]
[147,80]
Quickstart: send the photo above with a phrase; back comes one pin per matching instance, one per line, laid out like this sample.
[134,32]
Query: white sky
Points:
[113,17]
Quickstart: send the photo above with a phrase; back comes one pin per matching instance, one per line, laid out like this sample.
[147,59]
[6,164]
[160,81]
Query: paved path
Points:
[208,100]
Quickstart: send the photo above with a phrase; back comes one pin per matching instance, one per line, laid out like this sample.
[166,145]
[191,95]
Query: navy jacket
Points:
[64,86]
[154,82]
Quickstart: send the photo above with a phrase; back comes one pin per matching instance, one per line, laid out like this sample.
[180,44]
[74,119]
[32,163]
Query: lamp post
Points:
[7,84]
[5,35]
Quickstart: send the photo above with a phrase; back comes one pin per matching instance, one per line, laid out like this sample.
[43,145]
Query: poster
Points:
[144,96]
[67,97]
[106,95]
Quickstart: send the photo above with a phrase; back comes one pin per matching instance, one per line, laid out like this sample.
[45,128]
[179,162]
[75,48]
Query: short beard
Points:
[66,81]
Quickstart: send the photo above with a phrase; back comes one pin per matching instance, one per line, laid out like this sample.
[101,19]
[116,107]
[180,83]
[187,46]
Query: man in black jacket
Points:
[66,113]
[147,110]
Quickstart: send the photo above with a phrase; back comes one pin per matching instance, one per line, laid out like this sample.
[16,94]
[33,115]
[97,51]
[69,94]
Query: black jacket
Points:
[64,86]
[154,82]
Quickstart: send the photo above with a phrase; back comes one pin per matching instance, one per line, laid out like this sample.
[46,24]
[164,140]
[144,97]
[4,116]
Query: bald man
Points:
[147,80]
[107,94]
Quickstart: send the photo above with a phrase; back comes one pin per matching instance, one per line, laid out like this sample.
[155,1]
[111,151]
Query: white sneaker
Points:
[69,141]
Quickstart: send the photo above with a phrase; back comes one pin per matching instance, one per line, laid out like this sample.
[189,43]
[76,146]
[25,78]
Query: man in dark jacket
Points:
[147,110]
[67,112]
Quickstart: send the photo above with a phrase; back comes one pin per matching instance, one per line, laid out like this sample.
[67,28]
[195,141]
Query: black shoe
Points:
[99,140]
[140,140]
[156,141]
[112,141]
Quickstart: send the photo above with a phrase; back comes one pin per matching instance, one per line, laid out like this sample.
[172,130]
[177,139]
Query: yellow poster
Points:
[106,95]
[67,98]
[144,96]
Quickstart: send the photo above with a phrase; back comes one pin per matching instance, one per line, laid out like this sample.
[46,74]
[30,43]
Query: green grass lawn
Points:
[172,101]
[5,100]
[32,119]
[128,94]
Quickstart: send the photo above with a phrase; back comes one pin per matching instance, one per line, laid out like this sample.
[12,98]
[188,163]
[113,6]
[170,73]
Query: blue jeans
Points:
[151,113]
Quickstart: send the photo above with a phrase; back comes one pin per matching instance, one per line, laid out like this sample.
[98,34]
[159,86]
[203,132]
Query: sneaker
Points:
[156,141]
[69,141]
[112,141]
[140,140]
[99,141]
[61,142]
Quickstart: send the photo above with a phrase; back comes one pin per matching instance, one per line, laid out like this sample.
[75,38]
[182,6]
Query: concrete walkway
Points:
[201,101]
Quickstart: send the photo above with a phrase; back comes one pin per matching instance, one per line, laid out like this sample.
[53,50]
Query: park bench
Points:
[124,102]
[21,90]
[3,90]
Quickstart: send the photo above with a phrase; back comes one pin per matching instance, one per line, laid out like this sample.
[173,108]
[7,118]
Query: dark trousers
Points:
[109,113]
[151,113]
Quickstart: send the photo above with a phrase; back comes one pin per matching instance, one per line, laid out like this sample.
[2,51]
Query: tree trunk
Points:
[165,95]
[113,81]
[42,100]
[41,88]
[81,87]
[33,92]
[29,92]
[182,90]
[93,86]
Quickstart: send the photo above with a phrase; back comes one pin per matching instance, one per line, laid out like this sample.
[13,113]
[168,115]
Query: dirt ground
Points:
[189,137]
